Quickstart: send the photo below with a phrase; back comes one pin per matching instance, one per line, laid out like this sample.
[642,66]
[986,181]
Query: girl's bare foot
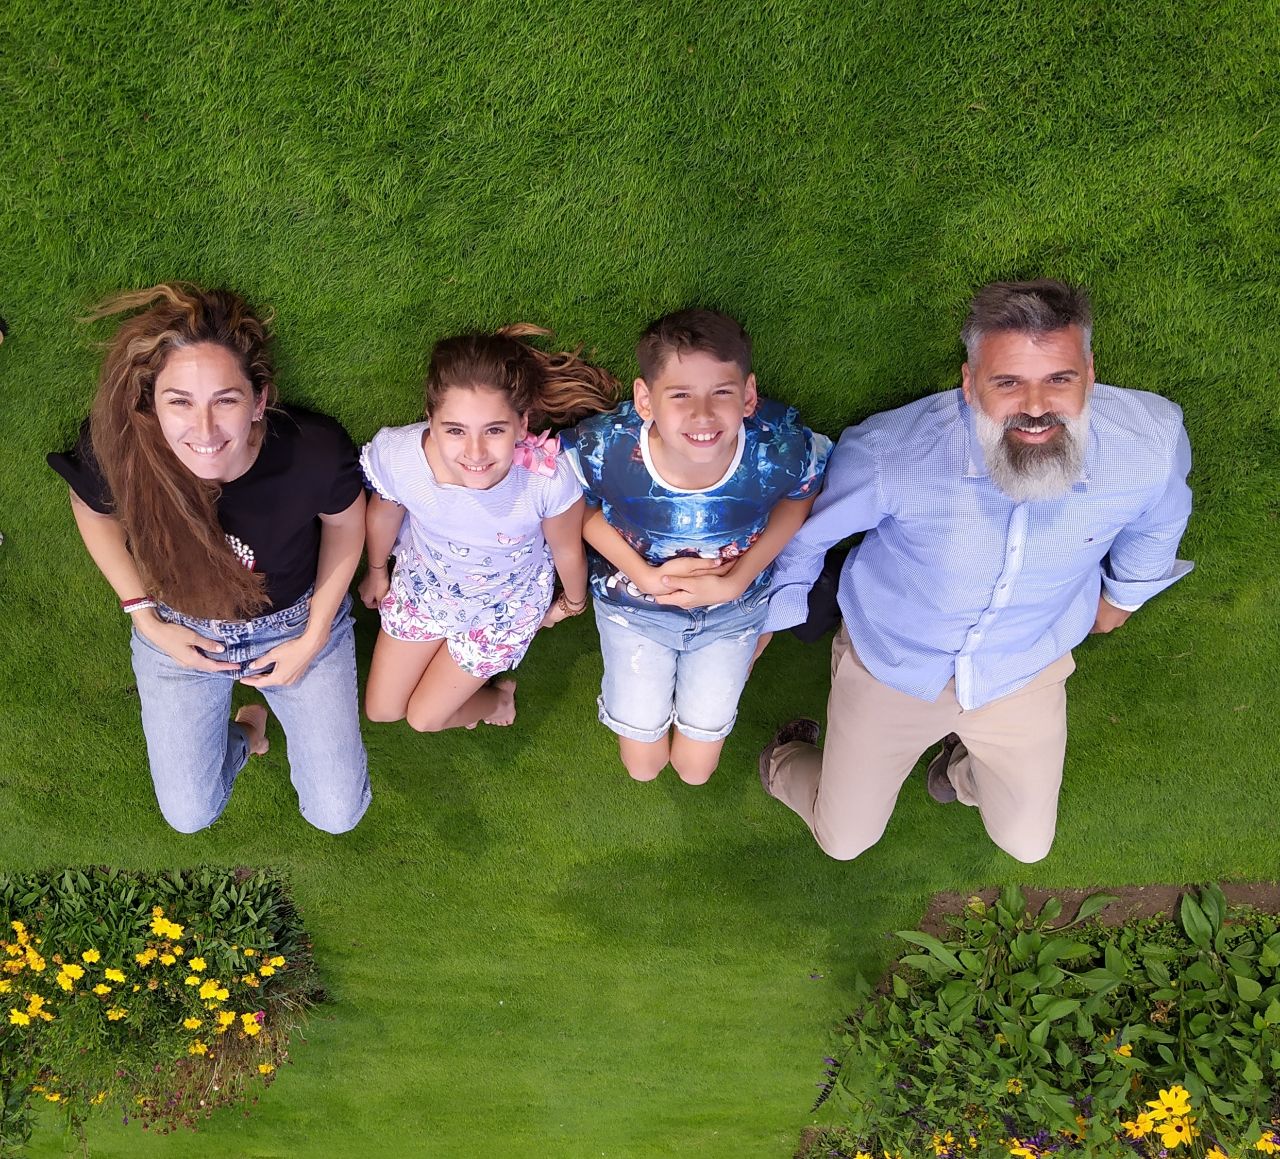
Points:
[505,712]
[253,719]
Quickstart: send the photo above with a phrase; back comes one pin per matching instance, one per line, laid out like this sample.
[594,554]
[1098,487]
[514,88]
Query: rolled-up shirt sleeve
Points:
[1143,558]
[849,502]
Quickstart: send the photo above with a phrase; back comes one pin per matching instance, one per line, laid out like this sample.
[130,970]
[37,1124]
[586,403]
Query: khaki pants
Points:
[1009,765]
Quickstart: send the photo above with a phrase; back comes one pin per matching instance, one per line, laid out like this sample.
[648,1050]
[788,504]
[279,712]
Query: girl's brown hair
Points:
[169,515]
[550,389]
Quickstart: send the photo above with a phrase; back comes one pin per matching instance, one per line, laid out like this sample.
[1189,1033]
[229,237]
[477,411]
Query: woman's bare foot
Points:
[505,712]
[253,719]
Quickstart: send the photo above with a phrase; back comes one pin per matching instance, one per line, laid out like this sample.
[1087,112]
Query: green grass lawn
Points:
[529,955]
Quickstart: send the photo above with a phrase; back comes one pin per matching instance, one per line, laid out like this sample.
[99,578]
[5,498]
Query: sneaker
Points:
[936,780]
[803,729]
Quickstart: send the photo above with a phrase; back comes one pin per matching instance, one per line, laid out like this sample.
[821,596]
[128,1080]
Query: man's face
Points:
[1030,395]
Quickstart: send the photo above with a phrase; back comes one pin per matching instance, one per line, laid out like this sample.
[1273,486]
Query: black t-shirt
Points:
[306,467]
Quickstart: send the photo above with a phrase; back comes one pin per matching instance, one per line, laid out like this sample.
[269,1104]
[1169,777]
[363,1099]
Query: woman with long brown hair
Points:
[230,530]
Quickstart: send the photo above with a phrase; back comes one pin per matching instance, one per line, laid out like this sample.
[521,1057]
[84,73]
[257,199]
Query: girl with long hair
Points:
[230,530]
[480,515]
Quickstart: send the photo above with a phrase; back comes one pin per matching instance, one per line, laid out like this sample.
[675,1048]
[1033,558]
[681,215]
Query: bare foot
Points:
[505,713]
[253,719]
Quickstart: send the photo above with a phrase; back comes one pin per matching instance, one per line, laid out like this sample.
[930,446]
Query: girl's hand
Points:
[374,587]
[291,660]
[561,609]
[180,644]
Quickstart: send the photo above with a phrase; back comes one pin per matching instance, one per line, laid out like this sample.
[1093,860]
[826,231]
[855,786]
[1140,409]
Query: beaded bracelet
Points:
[570,609]
[141,604]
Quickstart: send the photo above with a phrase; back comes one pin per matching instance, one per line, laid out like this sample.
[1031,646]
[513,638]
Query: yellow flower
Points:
[192,1023]
[34,1003]
[267,1068]
[1014,1086]
[249,951]
[277,961]
[249,1024]
[146,957]
[1215,1153]
[1126,1050]
[98,1098]
[250,980]
[34,961]
[64,980]
[208,988]
[226,1017]
[116,1013]
[266,971]
[222,994]
[157,911]
[5,985]
[113,975]
[100,989]
[179,951]
[1175,1132]
[53,1097]
[1020,1150]
[198,1047]
[1000,1038]
[18,1018]
[1269,1142]
[91,956]
[196,965]
[167,959]
[192,980]
[942,1143]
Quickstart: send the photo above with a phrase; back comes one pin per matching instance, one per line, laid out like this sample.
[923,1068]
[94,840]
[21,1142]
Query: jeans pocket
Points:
[295,618]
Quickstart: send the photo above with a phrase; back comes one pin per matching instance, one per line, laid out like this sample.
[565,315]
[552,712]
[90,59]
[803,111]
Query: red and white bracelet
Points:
[141,604]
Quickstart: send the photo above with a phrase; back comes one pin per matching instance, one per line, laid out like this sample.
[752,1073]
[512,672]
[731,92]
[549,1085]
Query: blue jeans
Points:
[665,666]
[196,751]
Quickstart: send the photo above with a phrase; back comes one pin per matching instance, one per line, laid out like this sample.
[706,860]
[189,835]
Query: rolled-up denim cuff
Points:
[643,735]
[703,734]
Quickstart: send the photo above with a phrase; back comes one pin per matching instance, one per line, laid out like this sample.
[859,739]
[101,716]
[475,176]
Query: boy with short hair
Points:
[696,487]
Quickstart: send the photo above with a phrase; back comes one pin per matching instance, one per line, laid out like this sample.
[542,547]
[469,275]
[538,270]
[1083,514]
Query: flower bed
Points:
[1019,1034]
[163,995]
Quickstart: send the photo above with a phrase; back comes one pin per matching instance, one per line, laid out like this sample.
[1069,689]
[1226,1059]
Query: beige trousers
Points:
[1009,765]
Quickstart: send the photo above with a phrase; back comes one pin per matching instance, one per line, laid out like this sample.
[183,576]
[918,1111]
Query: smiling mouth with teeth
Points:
[704,439]
[199,450]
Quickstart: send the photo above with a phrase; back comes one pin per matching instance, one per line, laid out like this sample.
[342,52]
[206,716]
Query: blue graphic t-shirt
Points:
[776,458]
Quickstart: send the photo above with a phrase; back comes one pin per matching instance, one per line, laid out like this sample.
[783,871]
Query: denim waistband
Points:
[282,618]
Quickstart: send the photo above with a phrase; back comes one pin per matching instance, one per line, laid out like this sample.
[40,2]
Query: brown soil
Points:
[1135,901]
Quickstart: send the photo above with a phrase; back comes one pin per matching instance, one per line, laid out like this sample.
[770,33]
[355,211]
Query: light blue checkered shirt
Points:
[955,579]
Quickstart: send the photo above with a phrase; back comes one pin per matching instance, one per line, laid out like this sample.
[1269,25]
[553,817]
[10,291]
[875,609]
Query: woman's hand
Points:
[374,587]
[291,660]
[180,643]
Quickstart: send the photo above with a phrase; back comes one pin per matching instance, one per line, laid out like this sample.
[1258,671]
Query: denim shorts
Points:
[196,750]
[671,666]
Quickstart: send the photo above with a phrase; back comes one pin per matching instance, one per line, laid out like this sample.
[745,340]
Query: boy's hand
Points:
[689,565]
[700,591]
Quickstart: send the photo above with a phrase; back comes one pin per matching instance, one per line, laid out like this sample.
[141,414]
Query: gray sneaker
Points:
[804,729]
[936,780]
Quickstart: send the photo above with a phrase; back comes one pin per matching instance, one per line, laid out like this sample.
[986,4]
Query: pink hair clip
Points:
[537,453]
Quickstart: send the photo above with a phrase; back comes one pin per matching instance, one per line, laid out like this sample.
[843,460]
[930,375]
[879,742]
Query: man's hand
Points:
[291,660]
[181,644]
[1109,617]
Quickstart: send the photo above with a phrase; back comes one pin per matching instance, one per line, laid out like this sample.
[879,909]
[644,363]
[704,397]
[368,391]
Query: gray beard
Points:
[1030,472]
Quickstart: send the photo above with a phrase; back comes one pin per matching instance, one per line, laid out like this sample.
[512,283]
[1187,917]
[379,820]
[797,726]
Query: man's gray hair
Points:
[1038,307]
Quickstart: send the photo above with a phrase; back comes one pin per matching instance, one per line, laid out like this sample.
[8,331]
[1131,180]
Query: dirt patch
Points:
[1134,902]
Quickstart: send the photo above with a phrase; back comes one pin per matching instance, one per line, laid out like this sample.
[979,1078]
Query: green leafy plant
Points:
[165,995]
[1019,1033]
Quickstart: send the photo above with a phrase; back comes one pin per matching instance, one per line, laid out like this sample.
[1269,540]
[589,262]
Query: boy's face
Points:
[696,404]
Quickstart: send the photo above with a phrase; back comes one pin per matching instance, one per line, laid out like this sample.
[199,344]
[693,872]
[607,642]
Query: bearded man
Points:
[1005,521]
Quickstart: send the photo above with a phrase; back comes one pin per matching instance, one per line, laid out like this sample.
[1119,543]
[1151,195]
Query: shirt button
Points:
[1003,586]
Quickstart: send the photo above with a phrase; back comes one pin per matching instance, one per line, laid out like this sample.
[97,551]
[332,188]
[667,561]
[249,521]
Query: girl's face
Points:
[206,410]
[474,433]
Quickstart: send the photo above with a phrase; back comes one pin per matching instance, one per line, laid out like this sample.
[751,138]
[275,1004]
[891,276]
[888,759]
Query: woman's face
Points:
[206,409]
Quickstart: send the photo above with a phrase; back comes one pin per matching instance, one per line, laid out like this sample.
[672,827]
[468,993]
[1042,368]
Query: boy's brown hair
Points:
[695,330]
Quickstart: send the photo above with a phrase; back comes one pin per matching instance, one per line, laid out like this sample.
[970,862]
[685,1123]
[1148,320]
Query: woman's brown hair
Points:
[555,389]
[170,515]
